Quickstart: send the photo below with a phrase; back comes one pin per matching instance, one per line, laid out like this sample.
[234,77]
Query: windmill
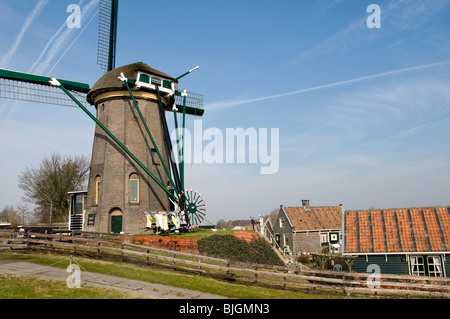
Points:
[132,167]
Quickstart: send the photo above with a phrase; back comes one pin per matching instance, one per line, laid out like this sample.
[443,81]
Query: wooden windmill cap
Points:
[109,82]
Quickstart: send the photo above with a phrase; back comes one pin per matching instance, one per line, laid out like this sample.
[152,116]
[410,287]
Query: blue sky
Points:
[363,114]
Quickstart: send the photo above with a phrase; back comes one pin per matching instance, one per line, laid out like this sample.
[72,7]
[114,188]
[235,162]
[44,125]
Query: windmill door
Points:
[116,224]
[116,221]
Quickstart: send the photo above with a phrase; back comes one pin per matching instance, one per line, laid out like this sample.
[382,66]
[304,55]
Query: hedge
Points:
[232,248]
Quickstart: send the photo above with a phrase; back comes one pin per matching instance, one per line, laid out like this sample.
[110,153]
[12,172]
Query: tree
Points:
[19,215]
[48,185]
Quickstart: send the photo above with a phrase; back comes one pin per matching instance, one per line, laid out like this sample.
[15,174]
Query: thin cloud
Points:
[45,63]
[37,10]
[58,42]
[229,104]
[397,15]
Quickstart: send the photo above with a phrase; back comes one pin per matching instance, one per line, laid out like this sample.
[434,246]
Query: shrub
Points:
[230,247]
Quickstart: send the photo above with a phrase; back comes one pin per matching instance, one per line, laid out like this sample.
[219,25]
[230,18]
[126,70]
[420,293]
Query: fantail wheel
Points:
[192,207]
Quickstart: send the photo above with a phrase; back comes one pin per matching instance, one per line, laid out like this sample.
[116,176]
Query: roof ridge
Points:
[397,208]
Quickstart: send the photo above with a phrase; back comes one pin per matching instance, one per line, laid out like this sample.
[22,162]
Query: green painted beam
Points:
[38,79]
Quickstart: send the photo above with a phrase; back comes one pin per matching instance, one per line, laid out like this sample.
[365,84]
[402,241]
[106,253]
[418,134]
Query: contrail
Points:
[75,40]
[37,10]
[56,43]
[50,52]
[222,105]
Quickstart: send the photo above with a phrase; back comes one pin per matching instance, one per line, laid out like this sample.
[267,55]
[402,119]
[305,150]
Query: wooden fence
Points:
[301,279]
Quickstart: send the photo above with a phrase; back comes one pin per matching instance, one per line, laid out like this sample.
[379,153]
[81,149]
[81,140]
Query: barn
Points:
[403,241]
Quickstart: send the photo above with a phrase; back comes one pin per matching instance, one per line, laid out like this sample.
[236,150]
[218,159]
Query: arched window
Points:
[134,188]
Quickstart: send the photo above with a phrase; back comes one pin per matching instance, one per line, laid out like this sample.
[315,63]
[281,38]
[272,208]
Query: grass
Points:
[143,273]
[22,287]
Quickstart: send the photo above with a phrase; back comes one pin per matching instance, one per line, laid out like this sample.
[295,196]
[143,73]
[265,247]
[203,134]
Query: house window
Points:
[134,189]
[323,238]
[426,266]
[281,222]
[434,266]
[417,266]
[334,238]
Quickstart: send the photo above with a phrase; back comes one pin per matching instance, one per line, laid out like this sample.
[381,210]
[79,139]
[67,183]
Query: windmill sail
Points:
[35,88]
[194,104]
[107,34]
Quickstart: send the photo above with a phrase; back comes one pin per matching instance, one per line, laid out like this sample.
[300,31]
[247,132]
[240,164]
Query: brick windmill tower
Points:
[118,188]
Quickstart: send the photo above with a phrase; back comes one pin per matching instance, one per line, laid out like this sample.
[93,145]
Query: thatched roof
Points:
[109,82]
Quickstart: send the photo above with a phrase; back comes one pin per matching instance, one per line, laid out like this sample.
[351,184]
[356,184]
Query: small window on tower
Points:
[144,78]
[155,157]
[156,81]
[134,189]
[97,190]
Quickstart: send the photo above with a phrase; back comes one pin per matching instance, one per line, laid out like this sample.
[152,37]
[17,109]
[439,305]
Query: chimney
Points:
[305,204]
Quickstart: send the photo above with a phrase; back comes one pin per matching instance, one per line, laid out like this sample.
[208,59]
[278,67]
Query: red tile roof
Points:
[314,218]
[425,229]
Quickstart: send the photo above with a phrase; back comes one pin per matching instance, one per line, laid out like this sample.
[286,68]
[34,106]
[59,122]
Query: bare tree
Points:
[19,215]
[48,185]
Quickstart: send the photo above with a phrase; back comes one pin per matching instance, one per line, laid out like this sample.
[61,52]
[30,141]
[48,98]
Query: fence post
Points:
[174,256]
[343,283]
[200,266]
[256,275]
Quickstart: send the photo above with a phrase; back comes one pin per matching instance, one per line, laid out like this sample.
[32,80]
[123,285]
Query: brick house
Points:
[307,229]
[404,241]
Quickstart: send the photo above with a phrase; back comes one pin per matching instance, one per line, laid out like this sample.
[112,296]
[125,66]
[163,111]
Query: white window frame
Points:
[436,263]
[151,86]
[416,263]
[137,190]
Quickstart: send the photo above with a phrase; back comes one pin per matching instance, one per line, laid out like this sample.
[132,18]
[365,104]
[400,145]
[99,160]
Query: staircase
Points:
[287,259]
[76,222]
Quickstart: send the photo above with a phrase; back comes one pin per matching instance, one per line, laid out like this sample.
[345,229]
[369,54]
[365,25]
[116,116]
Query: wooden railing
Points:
[301,279]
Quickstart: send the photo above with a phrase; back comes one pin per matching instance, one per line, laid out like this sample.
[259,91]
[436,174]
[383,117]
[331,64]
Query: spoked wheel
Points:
[192,208]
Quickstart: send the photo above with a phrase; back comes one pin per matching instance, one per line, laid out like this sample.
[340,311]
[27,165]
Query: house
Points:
[407,241]
[307,229]
[77,210]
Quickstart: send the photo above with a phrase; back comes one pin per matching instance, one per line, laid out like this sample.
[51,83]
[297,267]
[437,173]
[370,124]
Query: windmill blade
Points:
[194,103]
[35,88]
[107,34]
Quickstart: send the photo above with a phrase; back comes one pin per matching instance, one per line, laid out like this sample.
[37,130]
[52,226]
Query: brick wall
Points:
[188,245]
